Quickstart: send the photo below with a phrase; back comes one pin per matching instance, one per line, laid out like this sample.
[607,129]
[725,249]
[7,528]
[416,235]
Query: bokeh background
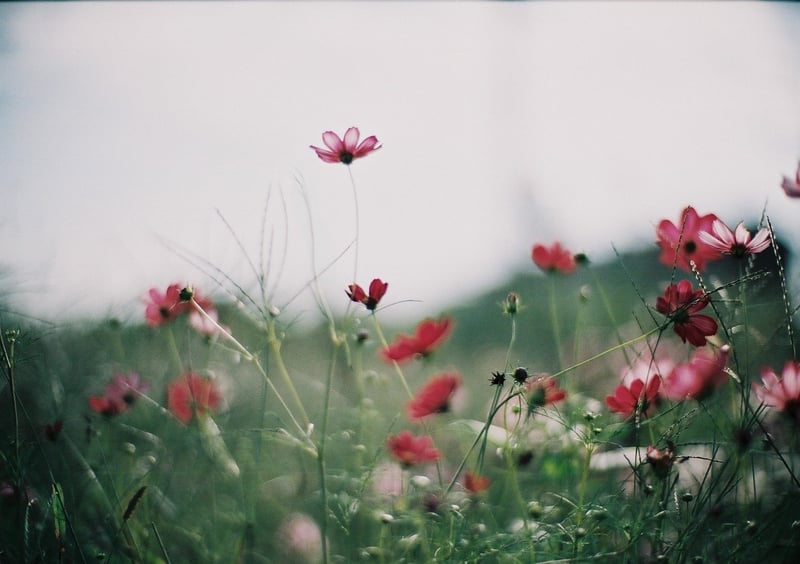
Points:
[131,133]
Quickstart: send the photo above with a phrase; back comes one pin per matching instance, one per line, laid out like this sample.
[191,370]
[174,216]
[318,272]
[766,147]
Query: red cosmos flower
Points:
[636,397]
[120,394]
[345,151]
[377,288]
[781,393]
[429,334]
[542,391]
[554,259]
[409,450]
[434,397]
[165,307]
[792,187]
[680,304]
[680,244]
[474,483]
[698,378]
[192,394]
[737,244]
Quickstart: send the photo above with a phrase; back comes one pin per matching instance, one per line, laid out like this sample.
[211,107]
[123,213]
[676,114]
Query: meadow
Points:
[643,409]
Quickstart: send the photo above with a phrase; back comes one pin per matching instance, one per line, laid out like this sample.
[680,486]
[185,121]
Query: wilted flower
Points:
[680,304]
[554,259]
[475,483]
[781,393]
[680,244]
[739,243]
[427,337]
[434,396]
[698,378]
[377,288]
[345,150]
[792,186]
[635,397]
[191,394]
[409,450]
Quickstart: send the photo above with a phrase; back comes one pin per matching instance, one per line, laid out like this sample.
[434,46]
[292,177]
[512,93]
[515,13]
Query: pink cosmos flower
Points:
[554,259]
[300,539]
[165,307]
[120,394]
[208,324]
[634,398]
[190,394]
[680,244]
[698,378]
[475,483]
[409,450]
[680,304]
[345,150]
[429,334]
[737,244]
[434,396]
[660,460]
[377,288]
[792,186]
[781,393]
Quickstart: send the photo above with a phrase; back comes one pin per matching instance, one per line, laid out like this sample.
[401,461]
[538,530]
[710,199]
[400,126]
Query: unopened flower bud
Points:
[511,305]
[186,294]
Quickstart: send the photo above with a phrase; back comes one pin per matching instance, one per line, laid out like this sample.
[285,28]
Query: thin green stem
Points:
[275,347]
[554,322]
[321,453]
[358,229]
[385,343]
[599,355]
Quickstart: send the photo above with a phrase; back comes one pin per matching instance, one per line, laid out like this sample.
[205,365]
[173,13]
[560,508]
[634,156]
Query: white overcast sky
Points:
[126,126]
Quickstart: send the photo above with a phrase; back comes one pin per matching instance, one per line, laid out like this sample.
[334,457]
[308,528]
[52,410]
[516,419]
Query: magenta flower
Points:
[377,288]
[738,243]
[165,307]
[635,398]
[698,378]
[429,334]
[120,394]
[680,304]
[345,150]
[434,396]
[781,393]
[790,186]
[554,259]
[681,244]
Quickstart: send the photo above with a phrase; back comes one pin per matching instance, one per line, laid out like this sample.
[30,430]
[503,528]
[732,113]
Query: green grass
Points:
[561,485]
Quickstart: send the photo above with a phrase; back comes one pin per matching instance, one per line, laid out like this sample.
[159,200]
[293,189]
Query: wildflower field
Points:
[644,410]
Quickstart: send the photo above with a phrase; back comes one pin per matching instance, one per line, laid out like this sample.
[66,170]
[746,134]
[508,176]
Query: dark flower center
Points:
[346,157]
[738,250]
[164,311]
[689,247]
